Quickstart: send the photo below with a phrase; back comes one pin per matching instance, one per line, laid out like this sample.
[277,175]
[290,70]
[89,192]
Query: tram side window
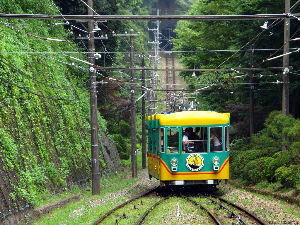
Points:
[173,140]
[216,139]
[194,139]
[162,140]
[226,138]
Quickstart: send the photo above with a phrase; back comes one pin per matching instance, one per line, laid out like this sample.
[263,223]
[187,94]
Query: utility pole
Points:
[93,107]
[132,103]
[143,116]
[286,58]
[251,94]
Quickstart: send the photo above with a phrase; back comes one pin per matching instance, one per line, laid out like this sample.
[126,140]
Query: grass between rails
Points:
[176,210]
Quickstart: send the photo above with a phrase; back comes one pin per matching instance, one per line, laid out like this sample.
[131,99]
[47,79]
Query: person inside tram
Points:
[215,142]
[193,135]
[188,145]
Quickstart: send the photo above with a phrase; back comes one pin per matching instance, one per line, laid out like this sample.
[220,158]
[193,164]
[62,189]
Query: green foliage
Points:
[44,106]
[262,158]
[226,91]
[288,176]
[121,135]
[123,145]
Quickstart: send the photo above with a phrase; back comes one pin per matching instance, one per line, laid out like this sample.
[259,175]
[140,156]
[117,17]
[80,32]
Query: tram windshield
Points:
[216,139]
[173,140]
[194,139]
[226,138]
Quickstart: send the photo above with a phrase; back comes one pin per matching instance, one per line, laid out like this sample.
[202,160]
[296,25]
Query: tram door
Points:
[160,146]
[157,150]
[150,149]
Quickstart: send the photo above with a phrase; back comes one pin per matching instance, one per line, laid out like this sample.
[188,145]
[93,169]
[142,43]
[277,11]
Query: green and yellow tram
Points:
[190,147]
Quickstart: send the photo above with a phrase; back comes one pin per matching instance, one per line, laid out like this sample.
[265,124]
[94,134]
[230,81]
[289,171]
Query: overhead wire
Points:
[274,23]
[267,59]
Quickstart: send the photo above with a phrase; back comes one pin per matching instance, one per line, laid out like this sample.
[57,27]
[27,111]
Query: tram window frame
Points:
[155,141]
[226,135]
[162,140]
[168,133]
[220,139]
[197,145]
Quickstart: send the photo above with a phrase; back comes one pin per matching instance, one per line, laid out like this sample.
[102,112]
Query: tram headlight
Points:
[174,162]
[216,161]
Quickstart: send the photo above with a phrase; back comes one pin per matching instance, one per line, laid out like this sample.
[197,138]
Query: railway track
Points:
[122,216]
[222,211]
[138,208]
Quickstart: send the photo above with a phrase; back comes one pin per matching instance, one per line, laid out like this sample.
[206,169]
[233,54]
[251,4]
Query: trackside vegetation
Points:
[44,108]
[272,155]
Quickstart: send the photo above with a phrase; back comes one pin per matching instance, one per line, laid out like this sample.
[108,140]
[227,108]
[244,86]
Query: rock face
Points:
[110,154]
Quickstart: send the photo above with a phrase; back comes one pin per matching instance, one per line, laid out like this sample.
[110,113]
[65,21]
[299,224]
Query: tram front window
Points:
[216,139]
[173,140]
[194,139]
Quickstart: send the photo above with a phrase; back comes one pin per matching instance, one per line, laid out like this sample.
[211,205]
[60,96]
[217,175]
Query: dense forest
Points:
[272,155]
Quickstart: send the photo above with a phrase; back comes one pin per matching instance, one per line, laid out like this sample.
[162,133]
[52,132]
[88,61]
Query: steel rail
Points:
[211,214]
[147,17]
[141,220]
[233,214]
[259,221]
[123,204]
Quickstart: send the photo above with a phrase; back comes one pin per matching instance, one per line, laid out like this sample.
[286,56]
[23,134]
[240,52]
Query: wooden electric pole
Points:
[143,116]
[93,107]
[286,57]
[251,111]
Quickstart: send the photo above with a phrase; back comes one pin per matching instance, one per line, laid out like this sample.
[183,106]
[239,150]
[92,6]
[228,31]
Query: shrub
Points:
[252,172]
[295,152]
[262,158]
[288,176]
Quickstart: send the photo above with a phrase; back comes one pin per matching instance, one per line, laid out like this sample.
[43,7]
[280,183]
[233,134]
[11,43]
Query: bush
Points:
[288,176]
[262,158]
[252,172]
[295,153]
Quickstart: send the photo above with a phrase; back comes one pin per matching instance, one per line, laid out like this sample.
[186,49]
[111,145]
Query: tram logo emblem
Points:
[194,162]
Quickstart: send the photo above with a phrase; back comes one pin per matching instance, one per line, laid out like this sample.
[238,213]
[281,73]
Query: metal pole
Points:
[149,94]
[133,111]
[93,108]
[286,49]
[251,94]
[143,116]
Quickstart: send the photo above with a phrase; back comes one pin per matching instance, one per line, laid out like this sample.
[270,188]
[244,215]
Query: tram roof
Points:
[193,118]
